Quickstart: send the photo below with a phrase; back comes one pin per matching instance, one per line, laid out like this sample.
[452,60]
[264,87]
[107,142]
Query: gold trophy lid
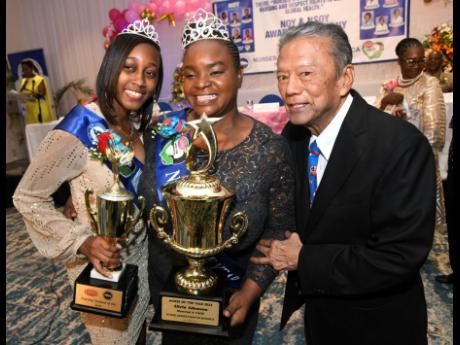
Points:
[198,187]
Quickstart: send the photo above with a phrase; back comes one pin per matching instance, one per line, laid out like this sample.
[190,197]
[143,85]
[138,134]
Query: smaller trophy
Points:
[194,297]
[114,220]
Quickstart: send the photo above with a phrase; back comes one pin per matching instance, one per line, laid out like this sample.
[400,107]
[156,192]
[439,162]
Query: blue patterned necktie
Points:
[312,169]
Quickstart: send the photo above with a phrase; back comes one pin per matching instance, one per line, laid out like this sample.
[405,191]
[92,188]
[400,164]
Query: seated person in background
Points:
[381,28]
[434,68]
[397,19]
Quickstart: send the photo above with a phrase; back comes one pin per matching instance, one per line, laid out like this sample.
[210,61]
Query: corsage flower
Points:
[108,146]
[390,85]
[170,127]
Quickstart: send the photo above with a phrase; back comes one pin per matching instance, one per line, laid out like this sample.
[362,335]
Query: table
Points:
[275,120]
[35,133]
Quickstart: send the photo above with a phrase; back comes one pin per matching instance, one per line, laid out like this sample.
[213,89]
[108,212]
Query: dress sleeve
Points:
[280,215]
[433,121]
[61,157]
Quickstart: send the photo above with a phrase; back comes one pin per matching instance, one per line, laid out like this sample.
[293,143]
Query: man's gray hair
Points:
[341,49]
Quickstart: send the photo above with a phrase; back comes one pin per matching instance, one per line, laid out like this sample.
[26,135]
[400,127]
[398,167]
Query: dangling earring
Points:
[155,109]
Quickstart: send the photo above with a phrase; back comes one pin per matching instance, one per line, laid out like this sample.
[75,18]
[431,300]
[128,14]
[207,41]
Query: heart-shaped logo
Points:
[372,50]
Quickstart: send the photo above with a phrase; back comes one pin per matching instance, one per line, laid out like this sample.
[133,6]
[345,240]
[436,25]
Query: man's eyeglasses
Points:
[414,62]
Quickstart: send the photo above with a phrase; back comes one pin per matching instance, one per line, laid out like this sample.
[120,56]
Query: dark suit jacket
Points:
[367,235]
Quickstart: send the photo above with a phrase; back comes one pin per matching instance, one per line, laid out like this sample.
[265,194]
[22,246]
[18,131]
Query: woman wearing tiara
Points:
[251,160]
[128,81]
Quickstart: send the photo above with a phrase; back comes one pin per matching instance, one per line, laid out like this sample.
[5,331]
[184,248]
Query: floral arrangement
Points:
[108,146]
[177,91]
[153,10]
[441,40]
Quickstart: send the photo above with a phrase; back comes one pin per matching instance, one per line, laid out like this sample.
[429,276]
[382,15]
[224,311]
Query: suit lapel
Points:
[346,152]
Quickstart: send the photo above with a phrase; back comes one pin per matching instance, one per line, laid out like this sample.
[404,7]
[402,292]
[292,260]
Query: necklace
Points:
[406,82]
[130,136]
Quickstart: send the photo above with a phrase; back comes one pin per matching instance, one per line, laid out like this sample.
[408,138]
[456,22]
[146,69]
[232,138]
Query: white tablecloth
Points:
[448,99]
[35,133]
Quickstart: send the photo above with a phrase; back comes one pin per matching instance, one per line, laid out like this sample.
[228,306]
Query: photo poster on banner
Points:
[374,27]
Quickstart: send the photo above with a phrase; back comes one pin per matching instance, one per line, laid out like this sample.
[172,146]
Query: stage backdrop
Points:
[374,27]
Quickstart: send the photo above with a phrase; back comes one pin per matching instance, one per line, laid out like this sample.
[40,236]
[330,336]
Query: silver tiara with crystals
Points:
[142,28]
[203,25]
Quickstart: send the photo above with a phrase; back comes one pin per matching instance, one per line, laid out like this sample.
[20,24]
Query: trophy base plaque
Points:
[105,297]
[179,311]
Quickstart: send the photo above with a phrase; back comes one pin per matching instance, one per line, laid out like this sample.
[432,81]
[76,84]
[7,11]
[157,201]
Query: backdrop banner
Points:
[374,27]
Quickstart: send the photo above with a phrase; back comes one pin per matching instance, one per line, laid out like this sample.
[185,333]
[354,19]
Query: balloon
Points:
[132,5]
[120,24]
[165,7]
[131,16]
[192,5]
[105,30]
[152,7]
[114,13]
[141,7]
[179,8]
[207,6]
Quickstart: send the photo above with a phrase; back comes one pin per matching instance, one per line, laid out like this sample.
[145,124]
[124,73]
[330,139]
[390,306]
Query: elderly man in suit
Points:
[365,202]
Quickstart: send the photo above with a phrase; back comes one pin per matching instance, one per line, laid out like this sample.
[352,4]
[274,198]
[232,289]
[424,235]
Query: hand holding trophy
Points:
[194,298]
[114,219]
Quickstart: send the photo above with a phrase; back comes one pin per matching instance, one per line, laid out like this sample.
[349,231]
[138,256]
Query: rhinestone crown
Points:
[142,28]
[203,25]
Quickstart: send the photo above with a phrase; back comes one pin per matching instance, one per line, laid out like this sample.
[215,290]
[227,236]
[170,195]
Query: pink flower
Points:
[391,85]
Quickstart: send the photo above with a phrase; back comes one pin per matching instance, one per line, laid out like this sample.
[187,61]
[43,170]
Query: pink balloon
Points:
[132,5]
[179,8]
[192,5]
[153,7]
[131,16]
[207,6]
[140,8]
[120,24]
[105,30]
[114,13]
[165,7]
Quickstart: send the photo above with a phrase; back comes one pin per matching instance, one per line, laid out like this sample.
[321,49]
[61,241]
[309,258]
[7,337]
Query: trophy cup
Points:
[114,220]
[194,297]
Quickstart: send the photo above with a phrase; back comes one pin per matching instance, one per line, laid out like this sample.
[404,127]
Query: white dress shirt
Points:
[326,139]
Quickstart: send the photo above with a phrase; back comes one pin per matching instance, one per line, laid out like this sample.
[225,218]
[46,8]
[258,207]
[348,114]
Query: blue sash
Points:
[169,157]
[82,123]
[170,166]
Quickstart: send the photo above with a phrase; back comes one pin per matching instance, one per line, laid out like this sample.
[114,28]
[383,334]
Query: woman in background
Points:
[417,98]
[35,94]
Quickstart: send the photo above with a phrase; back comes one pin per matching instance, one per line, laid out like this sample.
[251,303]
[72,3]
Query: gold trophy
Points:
[194,297]
[114,220]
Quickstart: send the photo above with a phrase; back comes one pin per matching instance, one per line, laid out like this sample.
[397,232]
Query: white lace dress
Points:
[62,157]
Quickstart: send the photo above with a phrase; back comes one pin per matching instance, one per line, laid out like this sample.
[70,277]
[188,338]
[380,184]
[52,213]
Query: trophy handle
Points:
[159,218]
[133,222]
[91,212]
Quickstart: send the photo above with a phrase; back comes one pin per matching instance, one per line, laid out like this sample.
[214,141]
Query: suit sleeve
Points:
[399,237]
